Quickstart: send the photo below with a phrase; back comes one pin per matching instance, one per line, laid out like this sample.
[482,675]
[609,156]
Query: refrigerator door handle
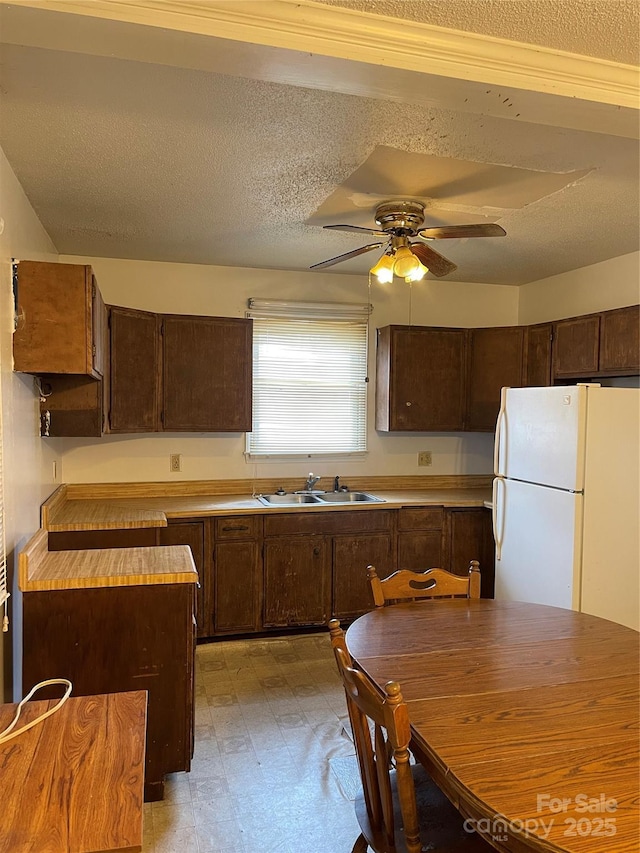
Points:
[499,424]
[497,513]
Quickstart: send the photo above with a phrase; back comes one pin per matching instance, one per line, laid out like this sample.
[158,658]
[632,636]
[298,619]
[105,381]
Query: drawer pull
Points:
[238,527]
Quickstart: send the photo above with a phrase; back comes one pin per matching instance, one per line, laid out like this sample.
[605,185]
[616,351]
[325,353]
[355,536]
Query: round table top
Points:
[526,715]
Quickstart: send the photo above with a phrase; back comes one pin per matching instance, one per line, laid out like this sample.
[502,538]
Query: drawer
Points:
[421,518]
[237,527]
[363,521]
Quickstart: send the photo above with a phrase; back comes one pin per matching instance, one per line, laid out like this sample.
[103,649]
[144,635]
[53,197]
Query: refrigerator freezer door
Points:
[539,531]
[541,436]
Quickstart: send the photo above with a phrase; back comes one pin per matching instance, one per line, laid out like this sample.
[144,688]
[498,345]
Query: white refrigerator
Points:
[566,506]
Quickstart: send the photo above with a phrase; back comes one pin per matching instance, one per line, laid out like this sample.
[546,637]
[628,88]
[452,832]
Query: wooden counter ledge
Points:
[40,569]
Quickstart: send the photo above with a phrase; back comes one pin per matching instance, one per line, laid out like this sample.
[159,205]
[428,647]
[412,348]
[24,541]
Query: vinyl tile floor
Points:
[270,717]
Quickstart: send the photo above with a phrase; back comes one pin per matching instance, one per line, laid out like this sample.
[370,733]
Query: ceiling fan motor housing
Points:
[402,218]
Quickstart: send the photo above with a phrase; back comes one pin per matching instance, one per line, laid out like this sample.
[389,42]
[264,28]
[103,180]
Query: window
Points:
[309,378]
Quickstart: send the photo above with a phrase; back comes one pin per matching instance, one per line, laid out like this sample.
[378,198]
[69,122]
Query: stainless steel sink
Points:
[304,499]
[349,497]
[288,500]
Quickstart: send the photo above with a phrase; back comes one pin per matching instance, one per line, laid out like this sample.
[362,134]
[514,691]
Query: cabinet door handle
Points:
[316,552]
[407,404]
[238,527]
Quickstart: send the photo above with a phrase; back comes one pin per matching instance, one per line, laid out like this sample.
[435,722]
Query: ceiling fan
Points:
[399,222]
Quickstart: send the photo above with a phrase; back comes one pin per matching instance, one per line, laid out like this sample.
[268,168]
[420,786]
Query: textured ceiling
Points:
[131,159]
[609,29]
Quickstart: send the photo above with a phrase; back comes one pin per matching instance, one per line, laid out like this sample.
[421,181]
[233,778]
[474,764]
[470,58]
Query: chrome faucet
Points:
[311,481]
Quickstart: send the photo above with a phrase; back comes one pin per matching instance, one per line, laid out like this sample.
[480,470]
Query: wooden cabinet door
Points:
[237,586]
[421,538]
[420,549]
[134,373]
[471,538]
[296,581]
[537,371]
[55,331]
[620,341]
[100,343]
[191,533]
[352,594]
[420,379]
[207,373]
[495,360]
[576,344]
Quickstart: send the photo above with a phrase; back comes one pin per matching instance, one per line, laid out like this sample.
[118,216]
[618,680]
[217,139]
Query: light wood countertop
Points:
[40,569]
[152,510]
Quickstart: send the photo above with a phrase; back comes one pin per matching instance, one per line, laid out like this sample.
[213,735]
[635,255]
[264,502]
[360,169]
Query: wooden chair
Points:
[404,585]
[400,808]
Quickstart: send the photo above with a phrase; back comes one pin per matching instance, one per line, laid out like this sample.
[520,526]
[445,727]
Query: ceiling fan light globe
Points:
[385,277]
[406,263]
[383,270]
[418,274]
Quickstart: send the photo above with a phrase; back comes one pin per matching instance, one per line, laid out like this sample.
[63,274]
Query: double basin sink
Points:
[308,498]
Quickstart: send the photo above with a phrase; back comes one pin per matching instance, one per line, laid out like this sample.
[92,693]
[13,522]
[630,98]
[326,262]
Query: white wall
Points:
[28,461]
[610,284]
[184,288]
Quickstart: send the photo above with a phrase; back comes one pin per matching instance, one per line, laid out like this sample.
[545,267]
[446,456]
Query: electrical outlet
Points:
[424,458]
[175,462]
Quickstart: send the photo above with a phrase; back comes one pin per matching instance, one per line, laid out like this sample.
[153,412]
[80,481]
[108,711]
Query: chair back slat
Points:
[391,736]
[405,585]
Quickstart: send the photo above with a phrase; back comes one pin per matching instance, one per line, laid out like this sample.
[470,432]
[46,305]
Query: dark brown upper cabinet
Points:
[206,373]
[620,341]
[598,345]
[537,360]
[420,379]
[495,360]
[60,320]
[576,344]
[135,370]
[177,372]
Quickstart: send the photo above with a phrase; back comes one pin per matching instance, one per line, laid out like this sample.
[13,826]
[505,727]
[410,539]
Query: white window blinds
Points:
[309,378]
[4,593]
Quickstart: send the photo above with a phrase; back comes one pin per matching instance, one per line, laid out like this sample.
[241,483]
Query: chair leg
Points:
[361,845]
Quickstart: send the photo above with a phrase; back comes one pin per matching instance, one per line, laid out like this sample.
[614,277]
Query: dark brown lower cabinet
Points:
[115,639]
[470,537]
[297,578]
[235,574]
[89,540]
[351,592]
[237,585]
[420,538]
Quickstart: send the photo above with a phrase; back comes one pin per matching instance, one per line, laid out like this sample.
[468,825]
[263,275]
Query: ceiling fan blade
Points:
[433,261]
[357,229]
[346,256]
[442,232]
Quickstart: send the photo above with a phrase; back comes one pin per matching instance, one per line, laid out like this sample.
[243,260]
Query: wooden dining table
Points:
[526,716]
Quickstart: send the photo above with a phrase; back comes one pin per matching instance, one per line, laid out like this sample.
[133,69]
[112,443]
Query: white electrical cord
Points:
[8,733]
